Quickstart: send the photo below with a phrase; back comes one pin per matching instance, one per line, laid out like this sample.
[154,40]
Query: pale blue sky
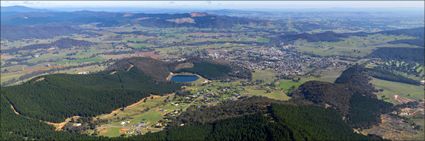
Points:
[218,4]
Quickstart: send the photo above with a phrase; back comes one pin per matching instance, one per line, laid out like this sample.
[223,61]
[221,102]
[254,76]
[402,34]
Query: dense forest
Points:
[282,122]
[351,87]
[415,55]
[278,122]
[225,110]
[208,70]
[16,127]
[384,74]
[156,69]
[58,96]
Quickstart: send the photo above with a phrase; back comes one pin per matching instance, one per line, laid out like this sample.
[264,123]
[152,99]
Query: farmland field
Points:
[352,46]
[390,89]
[147,112]
[266,76]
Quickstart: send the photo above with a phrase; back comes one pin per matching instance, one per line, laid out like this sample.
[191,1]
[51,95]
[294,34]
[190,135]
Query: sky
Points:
[258,5]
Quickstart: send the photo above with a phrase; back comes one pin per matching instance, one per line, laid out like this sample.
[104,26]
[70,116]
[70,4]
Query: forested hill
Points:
[159,70]
[16,127]
[156,69]
[25,23]
[58,96]
[280,122]
[411,55]
[351,94]
[215,70]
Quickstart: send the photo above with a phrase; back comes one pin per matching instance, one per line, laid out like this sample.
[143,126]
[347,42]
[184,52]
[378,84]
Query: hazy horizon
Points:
[215,5]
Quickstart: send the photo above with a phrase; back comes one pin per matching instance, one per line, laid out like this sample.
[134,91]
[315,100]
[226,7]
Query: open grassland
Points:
[141,117]
[390,89]
[352,46]
[140,46]
[272,94]
[282,87]
[9,76]
[266,76]
[223,91]
[111,132]
[330,75]
[287,85]
[82,60]
[26,70]
[136,39]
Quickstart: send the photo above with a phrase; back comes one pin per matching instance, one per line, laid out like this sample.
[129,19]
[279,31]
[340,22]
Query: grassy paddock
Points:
[266,76]
[395,88]
[352,46]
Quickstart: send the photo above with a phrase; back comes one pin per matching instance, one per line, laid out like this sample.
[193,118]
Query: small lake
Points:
[184,78]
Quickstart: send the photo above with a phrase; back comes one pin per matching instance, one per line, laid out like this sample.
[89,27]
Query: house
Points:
[83,72]
[77,124]
[125,122]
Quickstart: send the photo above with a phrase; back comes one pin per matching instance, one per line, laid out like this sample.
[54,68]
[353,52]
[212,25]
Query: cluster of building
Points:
[285,61]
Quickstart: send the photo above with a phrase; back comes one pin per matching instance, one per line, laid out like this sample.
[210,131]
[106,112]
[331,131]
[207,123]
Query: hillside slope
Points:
[58,96]
[283,122]
[16,127]
[351,94]
[280,122]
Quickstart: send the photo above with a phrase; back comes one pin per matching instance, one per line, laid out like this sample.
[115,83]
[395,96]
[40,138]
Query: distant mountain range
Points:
[330,36]
[226,11]
[21,9]
[18,22]
[24,16]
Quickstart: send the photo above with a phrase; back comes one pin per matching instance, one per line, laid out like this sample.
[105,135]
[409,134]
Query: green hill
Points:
[351,94]
[282,122]
[15,127]
[58,96]
[156,69]
[215,70]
